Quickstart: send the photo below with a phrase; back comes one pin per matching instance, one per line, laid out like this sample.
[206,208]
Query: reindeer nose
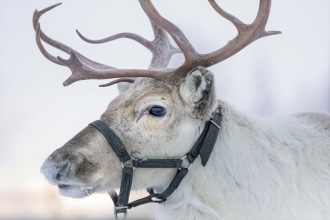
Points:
[63,170]
[55,171]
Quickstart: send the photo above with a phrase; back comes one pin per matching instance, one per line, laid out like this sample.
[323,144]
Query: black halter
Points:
[203,147]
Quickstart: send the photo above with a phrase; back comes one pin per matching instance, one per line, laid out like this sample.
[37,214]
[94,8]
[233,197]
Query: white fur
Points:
[259,169]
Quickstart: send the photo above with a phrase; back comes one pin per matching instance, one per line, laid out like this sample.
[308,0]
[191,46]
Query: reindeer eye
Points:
[157,111]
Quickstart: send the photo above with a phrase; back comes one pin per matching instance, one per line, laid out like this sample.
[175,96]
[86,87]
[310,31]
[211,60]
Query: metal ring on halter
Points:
[157,200]
[124,218]
[128,163]
[185,158]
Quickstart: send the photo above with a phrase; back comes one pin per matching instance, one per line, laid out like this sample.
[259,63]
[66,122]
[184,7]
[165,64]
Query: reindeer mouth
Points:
[76,191]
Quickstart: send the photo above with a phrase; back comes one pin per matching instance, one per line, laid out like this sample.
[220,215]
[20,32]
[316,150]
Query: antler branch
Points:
[247,33]
[161,57]
[83,68]
[177,35]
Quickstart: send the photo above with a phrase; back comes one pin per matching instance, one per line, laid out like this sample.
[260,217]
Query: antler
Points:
[160,47]
[83,68]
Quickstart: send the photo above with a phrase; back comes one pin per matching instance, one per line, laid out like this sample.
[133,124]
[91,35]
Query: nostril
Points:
[63,170]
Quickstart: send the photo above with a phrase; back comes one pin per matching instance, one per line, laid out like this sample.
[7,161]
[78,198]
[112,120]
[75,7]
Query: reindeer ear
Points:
[197,91]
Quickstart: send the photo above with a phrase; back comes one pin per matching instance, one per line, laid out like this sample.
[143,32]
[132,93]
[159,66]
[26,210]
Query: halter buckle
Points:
[128,163]
[116,215]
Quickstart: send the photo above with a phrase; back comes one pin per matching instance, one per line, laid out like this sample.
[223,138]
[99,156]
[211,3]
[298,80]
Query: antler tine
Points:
[160,47]
[39,34]
[247,33]
[42,49]
[132,36]
[178,36]
[113,82]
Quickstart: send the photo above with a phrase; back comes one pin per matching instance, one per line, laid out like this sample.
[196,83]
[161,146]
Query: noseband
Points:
[203,147]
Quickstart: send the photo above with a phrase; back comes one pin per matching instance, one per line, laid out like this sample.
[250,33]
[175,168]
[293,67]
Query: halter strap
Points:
[203,147]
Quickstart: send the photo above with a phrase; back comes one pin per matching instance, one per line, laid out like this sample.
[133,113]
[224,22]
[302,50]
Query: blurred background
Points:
[274,76]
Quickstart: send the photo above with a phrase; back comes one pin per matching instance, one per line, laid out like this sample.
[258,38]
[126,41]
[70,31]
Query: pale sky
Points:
[277,75]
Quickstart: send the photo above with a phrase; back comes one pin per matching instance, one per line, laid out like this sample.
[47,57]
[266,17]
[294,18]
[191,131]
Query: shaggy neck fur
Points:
[259,169]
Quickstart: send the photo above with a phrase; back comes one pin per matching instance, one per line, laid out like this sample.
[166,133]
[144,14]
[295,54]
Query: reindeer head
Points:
[163,123]
[160,115]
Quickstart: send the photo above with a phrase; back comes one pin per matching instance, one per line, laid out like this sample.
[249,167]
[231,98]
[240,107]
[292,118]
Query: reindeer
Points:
[207,160]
